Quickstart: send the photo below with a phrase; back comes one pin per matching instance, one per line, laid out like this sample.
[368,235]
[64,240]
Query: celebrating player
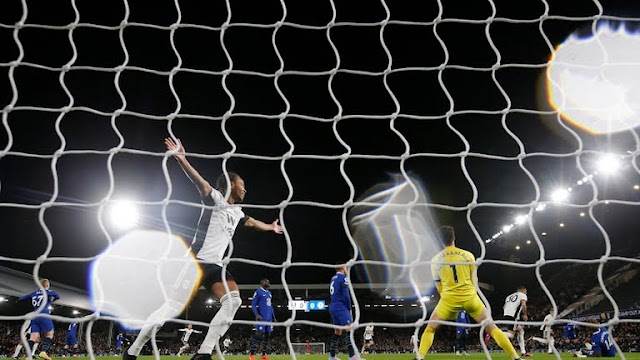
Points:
[547,332]
[263,311]
[71,341]
[340,311]
[27,334]
[185,337]
[515,309]
[368,339]
[216,226]
[42,325]
[453,271]
[462,333]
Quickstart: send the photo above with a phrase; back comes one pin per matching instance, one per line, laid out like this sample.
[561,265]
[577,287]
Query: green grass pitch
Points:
[477,356]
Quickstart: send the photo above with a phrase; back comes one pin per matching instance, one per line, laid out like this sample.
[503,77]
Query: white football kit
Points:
[217,224]
[512,304]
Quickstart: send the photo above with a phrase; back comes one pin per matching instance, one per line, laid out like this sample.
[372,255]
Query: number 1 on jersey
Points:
[455,273]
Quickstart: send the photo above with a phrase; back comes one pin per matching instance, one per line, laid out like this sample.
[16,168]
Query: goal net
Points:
[360,127]
[310,348]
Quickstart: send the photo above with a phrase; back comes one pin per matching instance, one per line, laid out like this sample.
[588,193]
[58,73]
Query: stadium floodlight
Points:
[124,214]
[561,224]
[560,195]
[541,207]
[209,301]
[507,228]
[544,234]
[582,214]
[636,187]
[2,299]
[517,247]
[608,164]
[520,219]
[528,242]
[424,299]
[75,312]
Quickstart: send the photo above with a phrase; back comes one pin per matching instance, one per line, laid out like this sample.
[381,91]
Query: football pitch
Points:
[476,356]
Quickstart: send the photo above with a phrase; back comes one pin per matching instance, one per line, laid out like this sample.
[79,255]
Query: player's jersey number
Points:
[455,273]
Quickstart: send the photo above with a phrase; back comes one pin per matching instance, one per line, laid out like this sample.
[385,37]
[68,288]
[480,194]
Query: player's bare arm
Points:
[204,188]
[261,226]
[523,304]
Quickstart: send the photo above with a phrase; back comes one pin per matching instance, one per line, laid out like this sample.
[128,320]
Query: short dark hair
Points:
[448,234]
[221,181]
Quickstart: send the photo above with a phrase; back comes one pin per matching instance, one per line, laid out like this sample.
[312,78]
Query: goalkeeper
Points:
[453,271]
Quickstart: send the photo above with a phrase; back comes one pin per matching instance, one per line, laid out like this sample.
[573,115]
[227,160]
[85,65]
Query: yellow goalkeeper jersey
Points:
[457,280]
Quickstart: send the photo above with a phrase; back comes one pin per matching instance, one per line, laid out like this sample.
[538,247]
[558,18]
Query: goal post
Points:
[313,348]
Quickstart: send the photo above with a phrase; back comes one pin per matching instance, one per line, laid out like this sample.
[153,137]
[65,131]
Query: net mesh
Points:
[298,92]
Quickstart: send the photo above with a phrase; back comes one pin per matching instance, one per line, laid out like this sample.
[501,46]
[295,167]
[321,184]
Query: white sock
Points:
[18,348]
[540,340]
[154,322]
[35,346]
[521,342]
[220,323]
[552,343]
[183,348]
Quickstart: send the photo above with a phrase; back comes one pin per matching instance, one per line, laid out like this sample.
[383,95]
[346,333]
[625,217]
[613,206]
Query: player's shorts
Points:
[513,327]
[264,328]
[570,335]
[447,309]
[41,325]
[341,317]
[211,274]
[368,338]
[71,340]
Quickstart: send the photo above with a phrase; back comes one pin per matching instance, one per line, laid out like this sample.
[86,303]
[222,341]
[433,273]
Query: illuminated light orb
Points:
[395,233]
[124,214]
[593,81]
[145,277]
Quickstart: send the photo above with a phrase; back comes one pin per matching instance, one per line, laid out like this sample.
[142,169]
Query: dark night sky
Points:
[92,135]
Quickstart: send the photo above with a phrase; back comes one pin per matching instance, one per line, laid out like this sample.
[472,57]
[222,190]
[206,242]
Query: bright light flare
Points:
[124,214]
[608,164]
[592,81]
[560,195]
[521,219]
[507,228]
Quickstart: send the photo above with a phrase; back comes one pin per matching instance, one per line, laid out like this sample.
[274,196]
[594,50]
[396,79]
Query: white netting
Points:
[316,103]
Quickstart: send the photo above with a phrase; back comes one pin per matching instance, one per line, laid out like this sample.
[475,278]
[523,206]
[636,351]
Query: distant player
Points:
[340,311]
[368,339]
[570,336]
[41,326]
[226,343]
[456,284]
[216,226]
[547,333]
[414,341]
[515,309]
[308,348]
[119,343]
[185,337]
[599,344]
[462,333]
[27,335]
[71,340]
[263,311]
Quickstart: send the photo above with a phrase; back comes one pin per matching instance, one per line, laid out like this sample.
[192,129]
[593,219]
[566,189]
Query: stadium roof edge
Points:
[17,283]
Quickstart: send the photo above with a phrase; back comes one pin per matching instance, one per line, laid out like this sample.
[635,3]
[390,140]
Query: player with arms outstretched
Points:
[340,311]
[226,343]
[547,332]
[453,271]
[216,226]
[19,347]
[515,309]
[263,311]
[42,326]
[185,337]
[368,339]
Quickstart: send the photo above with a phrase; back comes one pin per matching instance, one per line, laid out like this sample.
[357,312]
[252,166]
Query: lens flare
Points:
[144,277]
[592,81]
[395,231]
